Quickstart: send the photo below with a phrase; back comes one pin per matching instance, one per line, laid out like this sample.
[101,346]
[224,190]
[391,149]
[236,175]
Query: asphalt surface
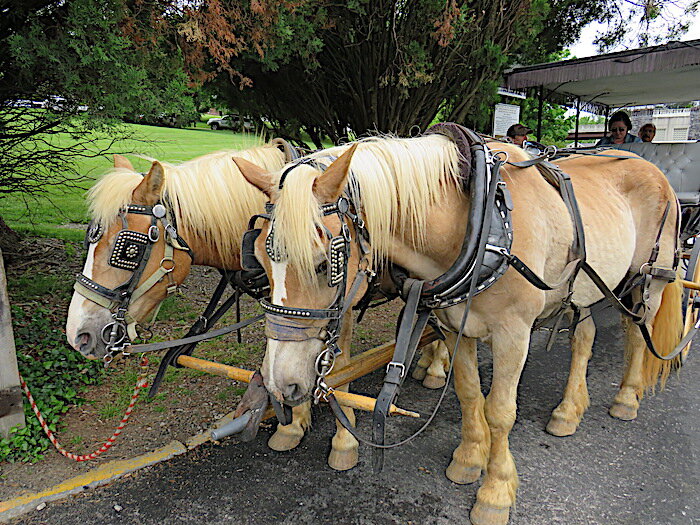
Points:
[610,472]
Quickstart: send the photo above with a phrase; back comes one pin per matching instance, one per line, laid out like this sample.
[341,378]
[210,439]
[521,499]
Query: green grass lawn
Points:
[44,215]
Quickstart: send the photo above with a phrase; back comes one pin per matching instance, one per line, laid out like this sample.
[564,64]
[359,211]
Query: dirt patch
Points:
[187,402]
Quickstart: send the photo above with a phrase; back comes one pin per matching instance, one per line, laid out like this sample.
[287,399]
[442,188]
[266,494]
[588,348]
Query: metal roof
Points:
[661,74]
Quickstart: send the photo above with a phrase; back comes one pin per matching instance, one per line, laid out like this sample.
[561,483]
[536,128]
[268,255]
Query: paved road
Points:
[611,472]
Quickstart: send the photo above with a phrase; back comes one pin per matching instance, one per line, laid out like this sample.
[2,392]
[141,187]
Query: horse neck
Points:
[446,228]
[207,255]
[212,232]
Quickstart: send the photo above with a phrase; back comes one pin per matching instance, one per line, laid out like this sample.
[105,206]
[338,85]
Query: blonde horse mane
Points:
[208,194]
[395,181]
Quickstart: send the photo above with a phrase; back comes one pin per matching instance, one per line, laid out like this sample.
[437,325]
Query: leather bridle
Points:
[281,324]
[131,252]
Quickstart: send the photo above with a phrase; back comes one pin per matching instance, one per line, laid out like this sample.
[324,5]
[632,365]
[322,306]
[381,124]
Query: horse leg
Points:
[497,492]
[425,360]
[471,456]
[287,437]
[626,401]
[642,370]
[435,376]
[344,446]
[567,416]
[431,366]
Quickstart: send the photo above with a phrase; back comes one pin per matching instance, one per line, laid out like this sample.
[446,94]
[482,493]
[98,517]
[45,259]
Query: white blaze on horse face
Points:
[279,277]
[77,311]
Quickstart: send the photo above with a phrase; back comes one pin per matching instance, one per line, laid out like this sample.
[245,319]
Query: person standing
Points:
[647,132]
[619,126]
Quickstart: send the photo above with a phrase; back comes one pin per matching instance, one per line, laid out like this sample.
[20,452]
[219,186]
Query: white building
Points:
[672,125]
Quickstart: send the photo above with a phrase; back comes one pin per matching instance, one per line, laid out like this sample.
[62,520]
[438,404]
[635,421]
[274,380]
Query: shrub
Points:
[55,374]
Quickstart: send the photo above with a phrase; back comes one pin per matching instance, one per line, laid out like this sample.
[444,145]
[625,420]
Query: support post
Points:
[578,114]
[11,407]
[539,114]
[607,117]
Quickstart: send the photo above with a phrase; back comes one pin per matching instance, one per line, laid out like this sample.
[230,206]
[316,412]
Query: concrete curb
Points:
[103,474]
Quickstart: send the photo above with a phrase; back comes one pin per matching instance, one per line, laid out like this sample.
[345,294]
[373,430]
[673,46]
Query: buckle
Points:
[398,365]
[153,233]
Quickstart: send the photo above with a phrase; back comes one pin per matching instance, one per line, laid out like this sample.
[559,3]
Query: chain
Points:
[324,365]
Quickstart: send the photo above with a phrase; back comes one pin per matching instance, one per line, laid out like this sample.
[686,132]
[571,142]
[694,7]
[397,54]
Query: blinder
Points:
[129,248]
[249,261]
[334,264]
[337,258]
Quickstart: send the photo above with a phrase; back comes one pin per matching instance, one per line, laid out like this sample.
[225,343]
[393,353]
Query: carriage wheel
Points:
[692,273]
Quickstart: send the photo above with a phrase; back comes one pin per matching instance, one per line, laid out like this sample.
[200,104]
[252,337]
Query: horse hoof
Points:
[487,515]
[282,442]
[462,475]
[560,427]
[343,459]
[624,412]
[419,373]
[433,382]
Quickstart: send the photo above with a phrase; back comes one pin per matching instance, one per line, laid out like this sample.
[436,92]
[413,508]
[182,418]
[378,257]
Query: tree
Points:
[94,62]
[345,69]
[644,23]
[555,126]
[353,68]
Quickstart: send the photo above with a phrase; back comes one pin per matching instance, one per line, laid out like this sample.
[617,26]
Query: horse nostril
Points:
[293,392]
[85,344]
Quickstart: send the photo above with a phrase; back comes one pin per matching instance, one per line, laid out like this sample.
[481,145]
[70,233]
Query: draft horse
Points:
[407,207]
[207,203]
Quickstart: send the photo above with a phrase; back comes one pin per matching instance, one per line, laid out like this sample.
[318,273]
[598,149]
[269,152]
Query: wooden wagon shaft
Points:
[690,284]
[239,374]
[366,362]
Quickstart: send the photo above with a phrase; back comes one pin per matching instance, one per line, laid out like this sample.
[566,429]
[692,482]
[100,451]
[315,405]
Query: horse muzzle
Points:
[89,337]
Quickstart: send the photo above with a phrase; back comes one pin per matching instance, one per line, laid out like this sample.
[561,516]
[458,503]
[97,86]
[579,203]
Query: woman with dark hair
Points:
[619,126]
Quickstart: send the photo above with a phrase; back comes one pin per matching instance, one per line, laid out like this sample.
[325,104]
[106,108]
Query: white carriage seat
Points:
[679,161]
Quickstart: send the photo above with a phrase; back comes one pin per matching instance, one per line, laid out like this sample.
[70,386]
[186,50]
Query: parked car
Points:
[20,103]
[233,122]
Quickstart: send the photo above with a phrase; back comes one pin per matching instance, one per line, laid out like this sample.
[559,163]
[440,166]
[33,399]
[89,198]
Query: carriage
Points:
[153,224]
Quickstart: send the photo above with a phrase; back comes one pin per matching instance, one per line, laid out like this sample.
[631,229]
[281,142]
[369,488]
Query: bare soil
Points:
[187,402]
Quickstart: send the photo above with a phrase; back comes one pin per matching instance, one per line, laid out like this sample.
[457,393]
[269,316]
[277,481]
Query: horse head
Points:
[135,260]
[311,247]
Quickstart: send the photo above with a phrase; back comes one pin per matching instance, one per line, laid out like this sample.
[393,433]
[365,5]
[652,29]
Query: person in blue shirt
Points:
[619,126]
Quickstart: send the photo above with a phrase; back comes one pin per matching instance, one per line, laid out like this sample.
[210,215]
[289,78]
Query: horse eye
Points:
[322,268]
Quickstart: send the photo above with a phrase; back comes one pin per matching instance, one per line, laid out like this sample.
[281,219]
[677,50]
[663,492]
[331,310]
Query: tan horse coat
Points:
[621,202]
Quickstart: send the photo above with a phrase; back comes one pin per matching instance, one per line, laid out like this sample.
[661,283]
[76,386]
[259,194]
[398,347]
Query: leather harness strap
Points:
[414,317]
[555,176]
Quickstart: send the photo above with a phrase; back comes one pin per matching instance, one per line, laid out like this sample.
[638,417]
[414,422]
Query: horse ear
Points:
[254,174]
[120,161]
[329,186]
[148,191]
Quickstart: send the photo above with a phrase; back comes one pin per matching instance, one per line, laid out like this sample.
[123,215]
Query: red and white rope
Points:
[141,383]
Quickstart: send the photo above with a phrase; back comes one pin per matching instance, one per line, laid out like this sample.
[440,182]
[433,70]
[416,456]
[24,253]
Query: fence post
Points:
[11,408]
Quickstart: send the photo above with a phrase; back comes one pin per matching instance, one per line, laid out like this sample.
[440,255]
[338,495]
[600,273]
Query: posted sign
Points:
[504,116]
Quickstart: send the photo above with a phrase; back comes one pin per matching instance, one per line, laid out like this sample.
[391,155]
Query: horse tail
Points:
[667,331]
